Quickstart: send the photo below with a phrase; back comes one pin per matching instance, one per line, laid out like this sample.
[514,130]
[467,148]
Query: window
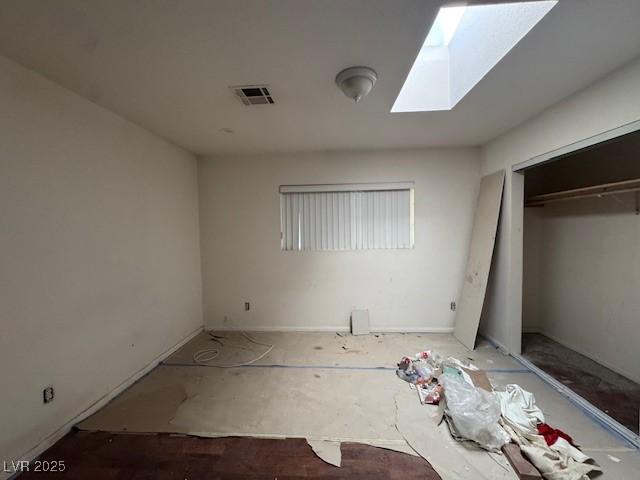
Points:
[346,217]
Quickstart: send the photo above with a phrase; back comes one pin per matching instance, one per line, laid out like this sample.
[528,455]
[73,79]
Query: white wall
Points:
[610,103]
[403,289]
[587,278]
[99,253]
[532,270]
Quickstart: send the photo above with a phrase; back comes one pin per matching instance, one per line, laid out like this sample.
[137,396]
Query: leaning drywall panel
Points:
[483,238]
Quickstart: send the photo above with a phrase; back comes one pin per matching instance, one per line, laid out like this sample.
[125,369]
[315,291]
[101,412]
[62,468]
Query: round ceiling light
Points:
[356,82]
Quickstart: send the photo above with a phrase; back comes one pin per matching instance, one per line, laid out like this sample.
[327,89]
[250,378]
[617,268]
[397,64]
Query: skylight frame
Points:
[463,44]
[445,26]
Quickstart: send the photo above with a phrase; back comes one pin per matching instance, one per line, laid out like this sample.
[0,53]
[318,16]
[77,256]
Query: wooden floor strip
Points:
[102,455]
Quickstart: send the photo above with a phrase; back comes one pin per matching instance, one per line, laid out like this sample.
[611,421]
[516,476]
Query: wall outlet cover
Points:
[48,394]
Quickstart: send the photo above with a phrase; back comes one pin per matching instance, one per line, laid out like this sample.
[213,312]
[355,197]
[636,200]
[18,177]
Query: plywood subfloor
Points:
[106,456]
[339,388]
[612,393]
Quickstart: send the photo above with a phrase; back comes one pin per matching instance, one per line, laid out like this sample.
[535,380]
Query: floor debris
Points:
[523,467]
[434,443]
[327,451]
[206,355]
[493,419]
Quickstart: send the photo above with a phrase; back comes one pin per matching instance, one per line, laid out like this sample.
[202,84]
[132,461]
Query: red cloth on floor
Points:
[551,434]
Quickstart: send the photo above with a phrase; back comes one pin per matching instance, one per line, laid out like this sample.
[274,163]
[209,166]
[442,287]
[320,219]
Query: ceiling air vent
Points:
[253,94]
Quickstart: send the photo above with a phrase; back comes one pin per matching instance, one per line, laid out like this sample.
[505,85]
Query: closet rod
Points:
[585,192]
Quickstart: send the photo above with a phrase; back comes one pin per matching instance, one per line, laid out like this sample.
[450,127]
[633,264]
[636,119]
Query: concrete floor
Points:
[612,393]
[327,387]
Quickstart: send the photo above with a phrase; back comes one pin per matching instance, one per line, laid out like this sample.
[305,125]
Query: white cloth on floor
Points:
[519,409]
[563,446]
[520,417]
[552,463]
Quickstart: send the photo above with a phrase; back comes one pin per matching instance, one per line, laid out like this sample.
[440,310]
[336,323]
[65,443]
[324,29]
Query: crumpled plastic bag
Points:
[416,372]
[422,369]
[474,412]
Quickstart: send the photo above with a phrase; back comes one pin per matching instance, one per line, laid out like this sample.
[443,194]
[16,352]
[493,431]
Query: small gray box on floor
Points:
[360,322]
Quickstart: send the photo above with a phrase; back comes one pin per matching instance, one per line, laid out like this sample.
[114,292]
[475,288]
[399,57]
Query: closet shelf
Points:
[585,192]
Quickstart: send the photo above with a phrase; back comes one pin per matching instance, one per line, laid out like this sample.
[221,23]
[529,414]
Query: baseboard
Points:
[276,328]
[499,345]
[531,330]
[412,329]
[341,329]
[102,401]
[587,354]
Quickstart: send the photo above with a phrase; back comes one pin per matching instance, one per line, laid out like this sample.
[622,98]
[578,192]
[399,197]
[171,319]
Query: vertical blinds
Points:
[347,220]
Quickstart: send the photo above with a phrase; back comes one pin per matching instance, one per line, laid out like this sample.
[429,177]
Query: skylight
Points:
[444,26]
[463,45]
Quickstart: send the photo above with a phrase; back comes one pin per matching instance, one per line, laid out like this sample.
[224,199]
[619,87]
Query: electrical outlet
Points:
[247,307]
[48,394]
[453,306]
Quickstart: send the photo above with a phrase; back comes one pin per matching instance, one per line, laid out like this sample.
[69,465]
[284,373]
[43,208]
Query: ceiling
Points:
[167,65]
